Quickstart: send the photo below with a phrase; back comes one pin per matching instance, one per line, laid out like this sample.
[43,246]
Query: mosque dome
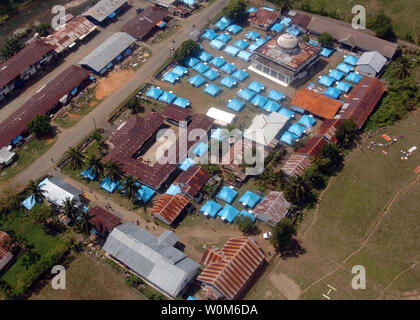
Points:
[287,41]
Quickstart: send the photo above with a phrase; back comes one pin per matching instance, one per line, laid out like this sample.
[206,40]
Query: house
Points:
[192,181]
[272,208]
[362,100]
[301,21]
[6,157]
[169,207]
[155,259]
[56,191]
[24,65]
[348,37]
[105,10]
[371,63]
[141,26]
[66,36]
[109,52]
[263,19]
[328,129]
[284,59]
[6,256]
[296,165]
[313,147]
[229,270]
[316,103]
[48,99]
[103,221]
[176,115]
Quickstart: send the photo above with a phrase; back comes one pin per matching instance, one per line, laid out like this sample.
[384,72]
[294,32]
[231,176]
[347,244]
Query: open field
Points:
[366,217]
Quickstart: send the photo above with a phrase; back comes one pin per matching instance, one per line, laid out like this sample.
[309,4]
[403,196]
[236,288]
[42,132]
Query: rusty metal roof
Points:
[313,147]
[316,103]
[274,207]
[229,269]
[168,207]
[5,242]
[174,112]
[103,220]
[192,180]
[301,20]
[296,164]
[263,17]
[328,129]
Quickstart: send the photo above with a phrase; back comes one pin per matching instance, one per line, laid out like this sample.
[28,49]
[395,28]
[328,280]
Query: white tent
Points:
[222,118]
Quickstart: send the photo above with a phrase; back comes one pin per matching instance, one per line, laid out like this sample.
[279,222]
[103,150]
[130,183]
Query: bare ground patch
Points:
[286,286]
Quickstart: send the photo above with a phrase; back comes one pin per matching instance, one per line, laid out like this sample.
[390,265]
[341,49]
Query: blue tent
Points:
[212,90]
[256,86]
[316,44]
[241,75]
[217,44]
[210,208]
[294,31]
[223,23]
[259,101]
[201,68]
[252,9]
[344,67]
[326,81]
[201,149]
[88,174]
[145,193]
[297,109]
[271,106]
[228,213]
[307,121]
[180,71]
[228,68]
[191,62]
[244,55]
[189,2]
[181,102]
[211,74]
[343,86]
[275,95]
[335,74]
[170,77]
[191,298]
[209,34]
[234,28]
[286,21]
[218,61]
[254,47]
[354,77]
[167,97]
[186,163]
[224,37]
[29,202]
[154,93]
[236,105]
[229,82]
[247,214]
[231,50]
[286,112]
[289,138]
[217,134]
[277,27]
[205,56]
[351,60]
[296,129]
[245,94]
[332,93]
[109,185]
[227,194]
[250,199]
[173,189]
[253,35]
[197,80]
[242,44]
[326,52]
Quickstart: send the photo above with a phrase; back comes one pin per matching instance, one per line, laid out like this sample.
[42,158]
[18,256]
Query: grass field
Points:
[357,225]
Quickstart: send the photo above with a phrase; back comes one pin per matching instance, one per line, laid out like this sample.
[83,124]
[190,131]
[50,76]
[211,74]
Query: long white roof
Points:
[222,117]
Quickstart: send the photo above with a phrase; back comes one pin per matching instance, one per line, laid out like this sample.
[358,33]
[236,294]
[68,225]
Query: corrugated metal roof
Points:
[168,207]
[296,164]
[373,59]
[316,103]
[263,18]
[192,180]
[176,113]
[230,268]
[264,129]
[328,129]
[5,242]
[103,9]
[107,51]
[273,208]
[103,220]
[163,266]
[301,20]
[143,23]
[313,147]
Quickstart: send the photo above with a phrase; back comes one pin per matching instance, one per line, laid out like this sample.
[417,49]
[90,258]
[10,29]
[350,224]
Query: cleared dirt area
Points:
[285,286]
[113,81]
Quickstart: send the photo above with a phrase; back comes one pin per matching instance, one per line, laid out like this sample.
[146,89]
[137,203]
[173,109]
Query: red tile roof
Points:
[328,129]
[316,103]
[5,242]
[263,18]
[229,269]
[273,208]
[313,147]
[168,207]
[363,99]
[174,112]
[22,60]
[41,102]
[143,23]
[296,164]
[192,180]
[103,220]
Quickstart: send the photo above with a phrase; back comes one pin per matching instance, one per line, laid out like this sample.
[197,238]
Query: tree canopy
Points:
[188,48]
[381,24]
[11,46]
[236,11]
[40,126]
[244,223]
[347,134]
[282,234]
[326,40]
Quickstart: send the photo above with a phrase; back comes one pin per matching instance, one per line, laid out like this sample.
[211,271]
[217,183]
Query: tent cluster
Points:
[167,97]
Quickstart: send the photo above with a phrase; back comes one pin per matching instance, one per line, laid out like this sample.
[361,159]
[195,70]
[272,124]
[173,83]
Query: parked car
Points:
[267,235]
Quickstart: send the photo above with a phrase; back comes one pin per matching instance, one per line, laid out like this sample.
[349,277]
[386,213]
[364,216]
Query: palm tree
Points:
[113,169]
[96,164]
[76,158]
[297,191]
[69,208]
[285,5]
[34,189]
[402,68]
[84,223]
[129,187]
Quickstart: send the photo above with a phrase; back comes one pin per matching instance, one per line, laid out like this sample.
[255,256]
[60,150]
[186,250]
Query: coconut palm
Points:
[402,68]
[69,208]
[84,223]
[76,158]
[113,169]
[97,166]
[34,189]
[297,191]
[129,187]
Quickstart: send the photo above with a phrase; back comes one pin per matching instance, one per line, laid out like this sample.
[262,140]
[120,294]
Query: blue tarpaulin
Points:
[297,109]
[277,27]
[167,97]
[286,112]
[234,29]
[307,121]
[244,55]
[259,101]
[170,77]
[29,202]
[181,102]
[229,82]
[351,60]
[180,71]
[289,138]
[217,44]
[286,21]
[326,52]
[294,31]
[343,86]
[332,93]
[246,94]
[231,50]
[154,93]
[316,44]
[161,24]
[228,213]
[109,185]
[227,194]
[343,67]
[256,86]
[201,68]
[252,9]
[354,77]
[271,106]
[250,199]
[205,56]
[228,68]
[189,2]
[224,37]
[223,23]
[112,15]
[296,129]
[217,134]
[74,91]
[217,62]
[186,163]
[211,74]
[191,62]
[210,34]
[236,105]
[326,81]
[241,75]
[253,35]
[201,149]
[268,8]
[242,44]
[191,298]
[17,140]
[275,95]
[247,214]
[210,208]
[335,74]
[145,193]
[88,174]
[212,90]
[173,190]
[197,80]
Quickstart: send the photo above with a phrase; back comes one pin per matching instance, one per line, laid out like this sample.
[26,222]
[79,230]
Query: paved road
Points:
[72,136]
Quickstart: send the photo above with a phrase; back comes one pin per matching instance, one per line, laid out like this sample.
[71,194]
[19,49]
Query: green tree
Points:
[245,223]
[69,208]
[298,191]
[347,134]
[282,234]
[40,126]
[381,24]
[129,187]
[285,5]
[133,281]
[135,105]
[30,258]
[43,29]
[33,188]
[11,46]
[313,176]
[75,158]
[84,223]
[97,166]
[188,48]
[331,151]
[236,11]
[213,169]
[41,212]
[326,40]
[113,169]
[402,68]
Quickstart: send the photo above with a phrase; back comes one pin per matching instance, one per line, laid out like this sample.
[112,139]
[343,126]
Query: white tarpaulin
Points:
[222,118]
